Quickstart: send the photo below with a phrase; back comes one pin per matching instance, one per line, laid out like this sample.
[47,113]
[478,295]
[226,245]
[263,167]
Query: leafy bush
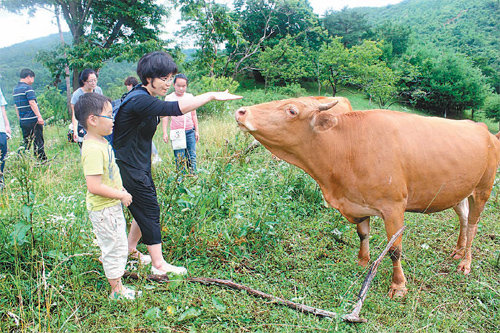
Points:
[491,107]
[290,90]
[52,104]
[208,83]
[259,96]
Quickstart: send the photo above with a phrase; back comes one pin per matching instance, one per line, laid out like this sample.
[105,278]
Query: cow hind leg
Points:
[363,228]
[476,206]
[393,222]
[462,210]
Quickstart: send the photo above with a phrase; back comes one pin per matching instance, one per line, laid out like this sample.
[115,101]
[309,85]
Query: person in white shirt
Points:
[5,134]
[184,158]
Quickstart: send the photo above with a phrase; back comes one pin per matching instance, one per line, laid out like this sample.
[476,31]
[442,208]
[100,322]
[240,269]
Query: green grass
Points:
[251,219]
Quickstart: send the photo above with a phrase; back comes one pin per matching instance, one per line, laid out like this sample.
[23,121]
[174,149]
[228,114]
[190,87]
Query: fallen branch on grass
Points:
[151,277]
[353,317]
[231,284]
[290,304]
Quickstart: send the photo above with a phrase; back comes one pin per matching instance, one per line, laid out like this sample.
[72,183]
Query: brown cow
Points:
[383,163]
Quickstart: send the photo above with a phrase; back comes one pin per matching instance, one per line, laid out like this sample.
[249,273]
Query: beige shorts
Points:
[109,227]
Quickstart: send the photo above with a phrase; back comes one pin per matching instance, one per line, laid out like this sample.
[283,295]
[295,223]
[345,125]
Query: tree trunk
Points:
[76,73]
[66,68]
[75,14]
[332,82]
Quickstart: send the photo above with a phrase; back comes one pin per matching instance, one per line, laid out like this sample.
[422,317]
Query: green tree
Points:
[359,66]
[395,38]
[101,30]
[285,63]
[333,64]
[280,18]
[250,28]
[352,26]
[371,74]
[447,83]
[212,26]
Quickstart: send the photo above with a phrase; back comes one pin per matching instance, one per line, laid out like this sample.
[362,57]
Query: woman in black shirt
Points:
[134,128]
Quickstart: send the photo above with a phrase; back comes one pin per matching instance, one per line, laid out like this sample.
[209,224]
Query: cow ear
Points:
[324,121]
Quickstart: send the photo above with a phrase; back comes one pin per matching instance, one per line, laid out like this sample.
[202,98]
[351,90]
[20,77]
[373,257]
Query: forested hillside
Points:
[466,26]
[22,55]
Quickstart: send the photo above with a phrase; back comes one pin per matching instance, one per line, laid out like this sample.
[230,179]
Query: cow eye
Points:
[293,111]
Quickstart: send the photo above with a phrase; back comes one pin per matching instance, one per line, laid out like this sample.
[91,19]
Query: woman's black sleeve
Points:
[151,106]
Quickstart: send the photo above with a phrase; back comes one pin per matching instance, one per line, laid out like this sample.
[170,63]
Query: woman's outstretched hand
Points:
[225,96]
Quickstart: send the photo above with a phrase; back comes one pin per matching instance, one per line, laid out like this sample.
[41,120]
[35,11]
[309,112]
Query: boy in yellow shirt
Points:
[105,193]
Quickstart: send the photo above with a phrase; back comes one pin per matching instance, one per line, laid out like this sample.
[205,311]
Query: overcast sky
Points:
[18,28]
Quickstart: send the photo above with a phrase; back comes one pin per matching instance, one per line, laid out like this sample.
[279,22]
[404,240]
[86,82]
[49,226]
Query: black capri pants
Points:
[144,206]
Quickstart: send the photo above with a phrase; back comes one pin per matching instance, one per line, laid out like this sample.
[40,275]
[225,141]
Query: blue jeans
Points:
[3,151]
[186,158]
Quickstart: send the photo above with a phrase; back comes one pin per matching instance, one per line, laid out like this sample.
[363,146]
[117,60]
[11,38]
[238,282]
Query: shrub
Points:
[290,90]
[206,84]
[491,107]
[52,104]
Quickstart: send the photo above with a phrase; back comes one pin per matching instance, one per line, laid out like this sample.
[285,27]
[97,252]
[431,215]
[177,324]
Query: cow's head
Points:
[289,122]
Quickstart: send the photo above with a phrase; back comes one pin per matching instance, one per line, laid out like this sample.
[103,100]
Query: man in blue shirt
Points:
[30,118]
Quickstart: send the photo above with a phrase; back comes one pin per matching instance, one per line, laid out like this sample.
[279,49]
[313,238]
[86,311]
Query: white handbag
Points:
[178,137]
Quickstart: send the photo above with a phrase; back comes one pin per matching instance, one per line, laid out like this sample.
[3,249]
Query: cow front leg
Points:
[363,229]
[462,210]
[393,222]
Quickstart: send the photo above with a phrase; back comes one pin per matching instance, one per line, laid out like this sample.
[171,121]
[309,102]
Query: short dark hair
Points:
[84,76]
[155,65]
[89,104]
[181,76]
[131,81]
[25,72]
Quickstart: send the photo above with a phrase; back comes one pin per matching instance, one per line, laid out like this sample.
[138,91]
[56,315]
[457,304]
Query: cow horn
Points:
[327,106]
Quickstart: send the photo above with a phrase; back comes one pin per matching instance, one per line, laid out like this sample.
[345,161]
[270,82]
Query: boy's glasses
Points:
[92,81]
[107,117]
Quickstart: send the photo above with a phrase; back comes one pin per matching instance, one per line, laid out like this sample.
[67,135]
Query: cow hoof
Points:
[396,293]
[464,267]
[458,254]
[363,262]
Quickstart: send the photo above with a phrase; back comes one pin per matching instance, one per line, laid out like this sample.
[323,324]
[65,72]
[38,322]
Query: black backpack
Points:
[118,103]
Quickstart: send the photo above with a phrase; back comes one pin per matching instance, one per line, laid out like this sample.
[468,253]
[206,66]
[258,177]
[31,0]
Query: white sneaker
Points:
[125,293]
[179,270]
